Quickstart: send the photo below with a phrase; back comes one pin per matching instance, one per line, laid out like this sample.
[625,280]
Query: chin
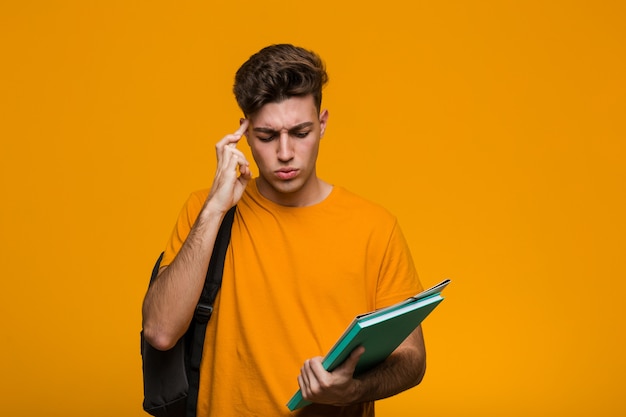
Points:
[287,187]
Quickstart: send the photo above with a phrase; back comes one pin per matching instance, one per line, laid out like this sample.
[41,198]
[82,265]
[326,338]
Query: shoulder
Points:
[196,199]
[357,204]
[361,214]
[193,205]
[199,196]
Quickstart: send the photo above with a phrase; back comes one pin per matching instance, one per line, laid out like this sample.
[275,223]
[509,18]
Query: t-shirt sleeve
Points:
[398,277]
[186,219]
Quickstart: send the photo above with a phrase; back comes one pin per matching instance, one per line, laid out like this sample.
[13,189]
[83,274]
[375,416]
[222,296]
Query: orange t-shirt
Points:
[294,278]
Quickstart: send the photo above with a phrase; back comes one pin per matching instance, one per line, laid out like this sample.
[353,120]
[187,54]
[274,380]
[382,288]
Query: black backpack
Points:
[171,378]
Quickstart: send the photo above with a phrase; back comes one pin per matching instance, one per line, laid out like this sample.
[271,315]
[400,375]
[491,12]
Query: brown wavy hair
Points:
[276,73]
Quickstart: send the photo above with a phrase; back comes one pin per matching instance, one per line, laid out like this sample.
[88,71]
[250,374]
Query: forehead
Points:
[286,114]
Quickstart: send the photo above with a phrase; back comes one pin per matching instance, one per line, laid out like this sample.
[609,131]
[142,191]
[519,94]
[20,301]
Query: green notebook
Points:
[380,332]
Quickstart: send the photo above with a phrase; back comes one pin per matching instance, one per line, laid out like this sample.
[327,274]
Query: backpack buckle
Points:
[203,313]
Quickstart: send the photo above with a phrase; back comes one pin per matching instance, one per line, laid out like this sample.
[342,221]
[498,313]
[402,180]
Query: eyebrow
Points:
[292,129]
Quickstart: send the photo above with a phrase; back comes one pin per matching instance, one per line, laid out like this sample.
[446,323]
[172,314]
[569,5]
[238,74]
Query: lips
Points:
[286,173]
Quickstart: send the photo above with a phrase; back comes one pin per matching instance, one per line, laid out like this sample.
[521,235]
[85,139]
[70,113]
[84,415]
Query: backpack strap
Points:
[204,308]
[155,268]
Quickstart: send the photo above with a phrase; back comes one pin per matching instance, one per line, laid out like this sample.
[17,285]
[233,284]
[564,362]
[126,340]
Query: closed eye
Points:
[300,131]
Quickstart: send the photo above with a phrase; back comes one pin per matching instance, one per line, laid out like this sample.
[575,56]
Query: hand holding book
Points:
[379,332]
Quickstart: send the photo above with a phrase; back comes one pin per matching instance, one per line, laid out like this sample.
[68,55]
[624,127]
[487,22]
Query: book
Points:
[380,332]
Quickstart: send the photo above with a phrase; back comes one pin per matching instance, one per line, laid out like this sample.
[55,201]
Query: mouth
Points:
[286,173]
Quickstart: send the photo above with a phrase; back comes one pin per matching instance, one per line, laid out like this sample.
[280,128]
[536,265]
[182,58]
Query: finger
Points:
[303,382]
[225,143]
[231,158]
[350,364]
[246,174]
[228,141]
[310,379]
[306,373]
[235,156]
[242,127]
[234,153]
[305,387]
[233,138]
[316,369]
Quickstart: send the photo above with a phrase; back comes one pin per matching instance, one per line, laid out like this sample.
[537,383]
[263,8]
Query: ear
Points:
[323,122]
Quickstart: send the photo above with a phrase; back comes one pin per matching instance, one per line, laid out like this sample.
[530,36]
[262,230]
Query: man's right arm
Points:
[171,299]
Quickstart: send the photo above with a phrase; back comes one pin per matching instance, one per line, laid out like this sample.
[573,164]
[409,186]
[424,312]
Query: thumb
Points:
[350,363]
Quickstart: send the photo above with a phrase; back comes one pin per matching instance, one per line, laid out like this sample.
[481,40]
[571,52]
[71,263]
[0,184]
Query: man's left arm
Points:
[403,369]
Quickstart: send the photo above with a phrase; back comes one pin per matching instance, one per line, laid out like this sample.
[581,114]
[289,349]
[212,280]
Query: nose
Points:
[285,151]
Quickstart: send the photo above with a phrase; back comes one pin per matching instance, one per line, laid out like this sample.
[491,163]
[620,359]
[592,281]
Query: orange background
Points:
[493,129]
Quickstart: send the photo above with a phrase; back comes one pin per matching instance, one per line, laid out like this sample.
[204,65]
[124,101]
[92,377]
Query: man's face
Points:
[284,138]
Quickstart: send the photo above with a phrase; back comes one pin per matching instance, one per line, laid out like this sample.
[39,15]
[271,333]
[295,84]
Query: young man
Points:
[305,257]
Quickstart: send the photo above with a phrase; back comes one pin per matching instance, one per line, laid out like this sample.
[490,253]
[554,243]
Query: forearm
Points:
[402,370]
[171,299]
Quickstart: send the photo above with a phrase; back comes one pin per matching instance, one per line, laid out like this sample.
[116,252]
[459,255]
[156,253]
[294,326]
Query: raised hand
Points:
[233,171]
